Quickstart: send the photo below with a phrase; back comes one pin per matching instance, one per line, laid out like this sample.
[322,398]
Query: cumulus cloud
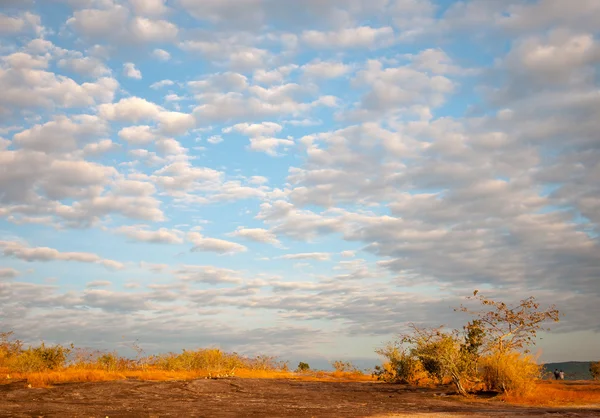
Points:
[8,273]
[130,71]
[216,245]
[149,7]
[161,54]
[443,169]
[257,235]
[23,252]
[162,83]
[260,136]
[208,274]
[87,66]
[115,22]
[359,37]
[159,236]
[324,69]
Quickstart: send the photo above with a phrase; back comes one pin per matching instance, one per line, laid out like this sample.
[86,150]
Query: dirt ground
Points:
[252,398]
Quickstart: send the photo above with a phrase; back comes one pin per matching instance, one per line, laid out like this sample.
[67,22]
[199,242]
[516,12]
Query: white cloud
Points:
[162,83]
[257,235]
[8,273]
[307,256]
[88,66]
[131,109]
[149,30]
[276,76]
[170,146]
[255,129]
[130,71]
[17,24]
[149,7]
[101,147]
[215,245]
[269,145]
[99,22]
[175,123]
[394,88]
[259,136]
[324,69]
[114,22]
[208,274]
[159,236]
[214,139]
[25,88]
[62,134]
[359,37]
[142,134]
[258,180]
[30,254]
[161,54]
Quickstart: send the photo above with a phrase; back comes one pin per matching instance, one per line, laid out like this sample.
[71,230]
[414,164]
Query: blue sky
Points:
[296,178]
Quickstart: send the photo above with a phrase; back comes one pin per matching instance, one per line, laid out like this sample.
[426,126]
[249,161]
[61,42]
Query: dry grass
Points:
[76,374]
[565,393]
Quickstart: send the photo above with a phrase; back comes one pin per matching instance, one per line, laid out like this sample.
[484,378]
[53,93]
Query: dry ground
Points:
[235,397]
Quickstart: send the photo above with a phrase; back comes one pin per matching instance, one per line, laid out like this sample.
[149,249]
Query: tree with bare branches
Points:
[510,327]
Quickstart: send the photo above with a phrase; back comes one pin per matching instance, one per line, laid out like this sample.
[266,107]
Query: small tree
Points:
[442,355]
[507,328]
[595,370]
[400,365]
[303,367]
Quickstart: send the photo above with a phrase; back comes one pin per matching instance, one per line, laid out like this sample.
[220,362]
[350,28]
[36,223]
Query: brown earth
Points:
[233,397]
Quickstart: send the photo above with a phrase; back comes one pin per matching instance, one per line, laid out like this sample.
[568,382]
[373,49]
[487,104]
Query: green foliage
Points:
[474,337]
[595,370]
[442,355]
[303,367]
[38,359]
[498,333]
[400,367]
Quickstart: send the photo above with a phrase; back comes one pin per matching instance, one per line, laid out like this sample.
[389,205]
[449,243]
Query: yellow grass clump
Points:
[563,393]
[509,372]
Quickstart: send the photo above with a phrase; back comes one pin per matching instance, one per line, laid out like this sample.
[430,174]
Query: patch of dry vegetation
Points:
[553,393]
[44,366]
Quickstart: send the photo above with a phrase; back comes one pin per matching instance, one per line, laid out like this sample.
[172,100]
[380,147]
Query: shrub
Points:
[211,359]
[509,372]
[303,367]
[108,362]
[344,366]
[595,370]
[37,359]
[8,348]
[400,367]
[443,355]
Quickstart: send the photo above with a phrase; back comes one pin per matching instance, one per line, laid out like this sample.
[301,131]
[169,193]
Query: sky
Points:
[296,178]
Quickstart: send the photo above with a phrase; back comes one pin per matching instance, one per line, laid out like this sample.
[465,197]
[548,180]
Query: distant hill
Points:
[574,370]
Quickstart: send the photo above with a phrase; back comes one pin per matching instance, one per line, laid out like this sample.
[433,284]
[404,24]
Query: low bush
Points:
[344,366]
[509,372]
[38,359]
[400,367]
[595,370]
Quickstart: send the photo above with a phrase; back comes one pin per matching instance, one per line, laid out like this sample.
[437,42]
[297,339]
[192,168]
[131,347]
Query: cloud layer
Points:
[270,175]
